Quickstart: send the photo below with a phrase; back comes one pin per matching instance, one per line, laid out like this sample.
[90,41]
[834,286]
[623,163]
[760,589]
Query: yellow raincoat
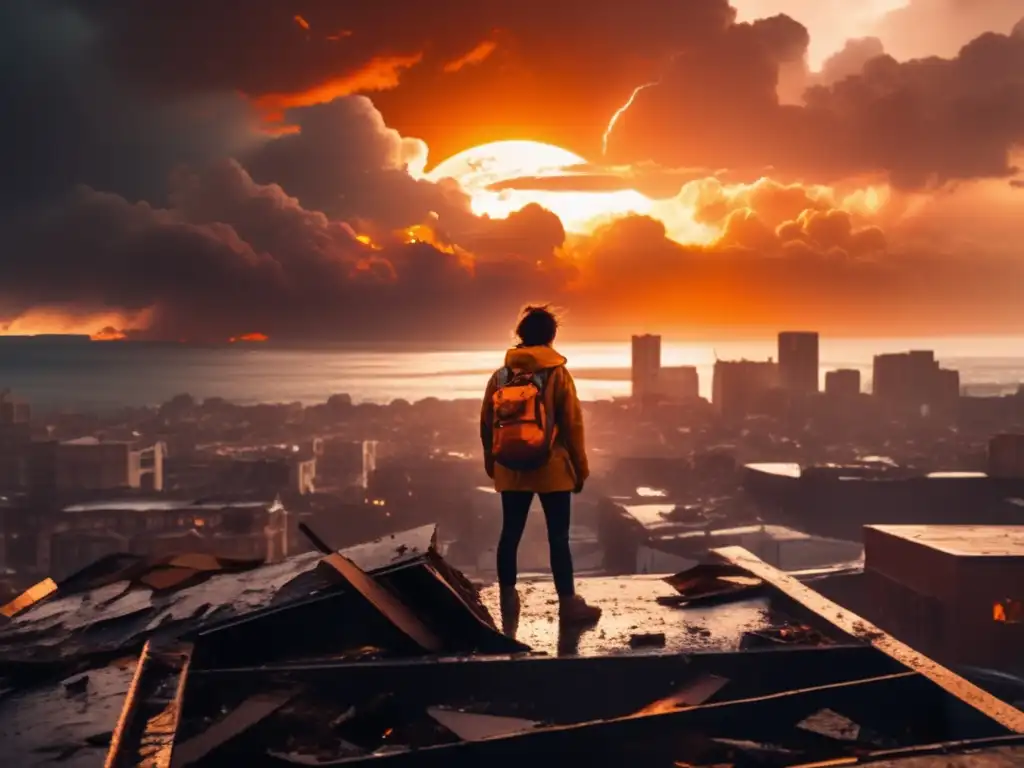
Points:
[567,468]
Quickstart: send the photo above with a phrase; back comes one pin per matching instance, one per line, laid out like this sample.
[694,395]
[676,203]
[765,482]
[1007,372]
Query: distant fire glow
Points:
[1008,611]
[249,338]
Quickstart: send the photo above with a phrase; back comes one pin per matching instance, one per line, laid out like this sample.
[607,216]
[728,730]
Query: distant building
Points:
[90,464]
[678,383]
[241,529]
[950,590]
[646,365]
[369,462]
[1006,456]
[740,386]
[844,382]
[13,411]
[914,379]
[269,475]
[15,441]
[798,361]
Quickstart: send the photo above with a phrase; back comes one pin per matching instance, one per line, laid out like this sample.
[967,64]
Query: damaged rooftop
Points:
[385,653]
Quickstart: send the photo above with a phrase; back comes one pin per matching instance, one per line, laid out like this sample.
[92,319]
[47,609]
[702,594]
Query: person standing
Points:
[531,427]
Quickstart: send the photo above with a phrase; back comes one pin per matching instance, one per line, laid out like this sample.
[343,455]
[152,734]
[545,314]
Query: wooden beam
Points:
[1006,715]
[148,724]
[384,601]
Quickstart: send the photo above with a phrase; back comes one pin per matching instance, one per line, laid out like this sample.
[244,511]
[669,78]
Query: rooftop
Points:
[963,540]
[631,607]
[82,441]
[385,654]
[165,505]
[783,468]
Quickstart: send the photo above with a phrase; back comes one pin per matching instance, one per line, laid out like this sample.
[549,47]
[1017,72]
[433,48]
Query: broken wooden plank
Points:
[29,597]
[1006,715]
[393,609]
[145,732]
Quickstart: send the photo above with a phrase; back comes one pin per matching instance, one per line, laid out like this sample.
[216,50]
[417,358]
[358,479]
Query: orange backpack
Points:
[524,420]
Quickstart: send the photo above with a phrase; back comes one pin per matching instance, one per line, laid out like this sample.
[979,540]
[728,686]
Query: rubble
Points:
[383,653]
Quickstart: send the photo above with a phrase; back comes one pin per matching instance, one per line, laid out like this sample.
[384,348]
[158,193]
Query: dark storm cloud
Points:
[346,162]
[257,46]
[540,75]
[850,60]
[554,71]
[923,122]
[117,94]
[231,256]
[70,119]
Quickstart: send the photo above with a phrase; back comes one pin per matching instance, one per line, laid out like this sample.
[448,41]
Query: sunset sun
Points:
[479,168]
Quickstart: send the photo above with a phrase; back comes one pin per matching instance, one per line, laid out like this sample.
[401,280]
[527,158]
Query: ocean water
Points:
[112,374]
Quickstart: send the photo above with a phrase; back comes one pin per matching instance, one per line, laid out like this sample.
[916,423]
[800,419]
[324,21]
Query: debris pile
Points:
[384,653]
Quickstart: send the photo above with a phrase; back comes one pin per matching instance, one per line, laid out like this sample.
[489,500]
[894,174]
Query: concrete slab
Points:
[630,608]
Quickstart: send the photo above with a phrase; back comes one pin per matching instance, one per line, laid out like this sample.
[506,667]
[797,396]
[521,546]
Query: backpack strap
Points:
[540,378]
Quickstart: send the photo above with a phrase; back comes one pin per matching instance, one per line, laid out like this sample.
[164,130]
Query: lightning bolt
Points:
[618,113]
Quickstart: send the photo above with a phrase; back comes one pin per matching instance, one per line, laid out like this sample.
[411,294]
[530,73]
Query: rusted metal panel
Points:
[145,732]
[1006,715]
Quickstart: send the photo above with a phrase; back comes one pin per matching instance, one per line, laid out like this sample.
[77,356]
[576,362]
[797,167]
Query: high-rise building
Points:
[740,386]
[798,361]
[914,379]
[15,441]
[678,383]
[844,382]
[646,364]
[1006,456]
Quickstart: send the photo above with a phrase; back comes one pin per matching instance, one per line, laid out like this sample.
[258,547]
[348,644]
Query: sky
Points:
[400,170]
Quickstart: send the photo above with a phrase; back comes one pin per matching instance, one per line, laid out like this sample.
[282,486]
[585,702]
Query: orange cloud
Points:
[381,73]
[477,55]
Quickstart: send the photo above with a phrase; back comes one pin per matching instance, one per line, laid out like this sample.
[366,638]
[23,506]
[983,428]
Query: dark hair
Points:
[538,326]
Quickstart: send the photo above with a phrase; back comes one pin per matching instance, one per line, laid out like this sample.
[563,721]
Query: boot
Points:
[510,606]
[575,610]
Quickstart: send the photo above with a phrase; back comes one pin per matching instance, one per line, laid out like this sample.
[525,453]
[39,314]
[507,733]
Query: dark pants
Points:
[515,507]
